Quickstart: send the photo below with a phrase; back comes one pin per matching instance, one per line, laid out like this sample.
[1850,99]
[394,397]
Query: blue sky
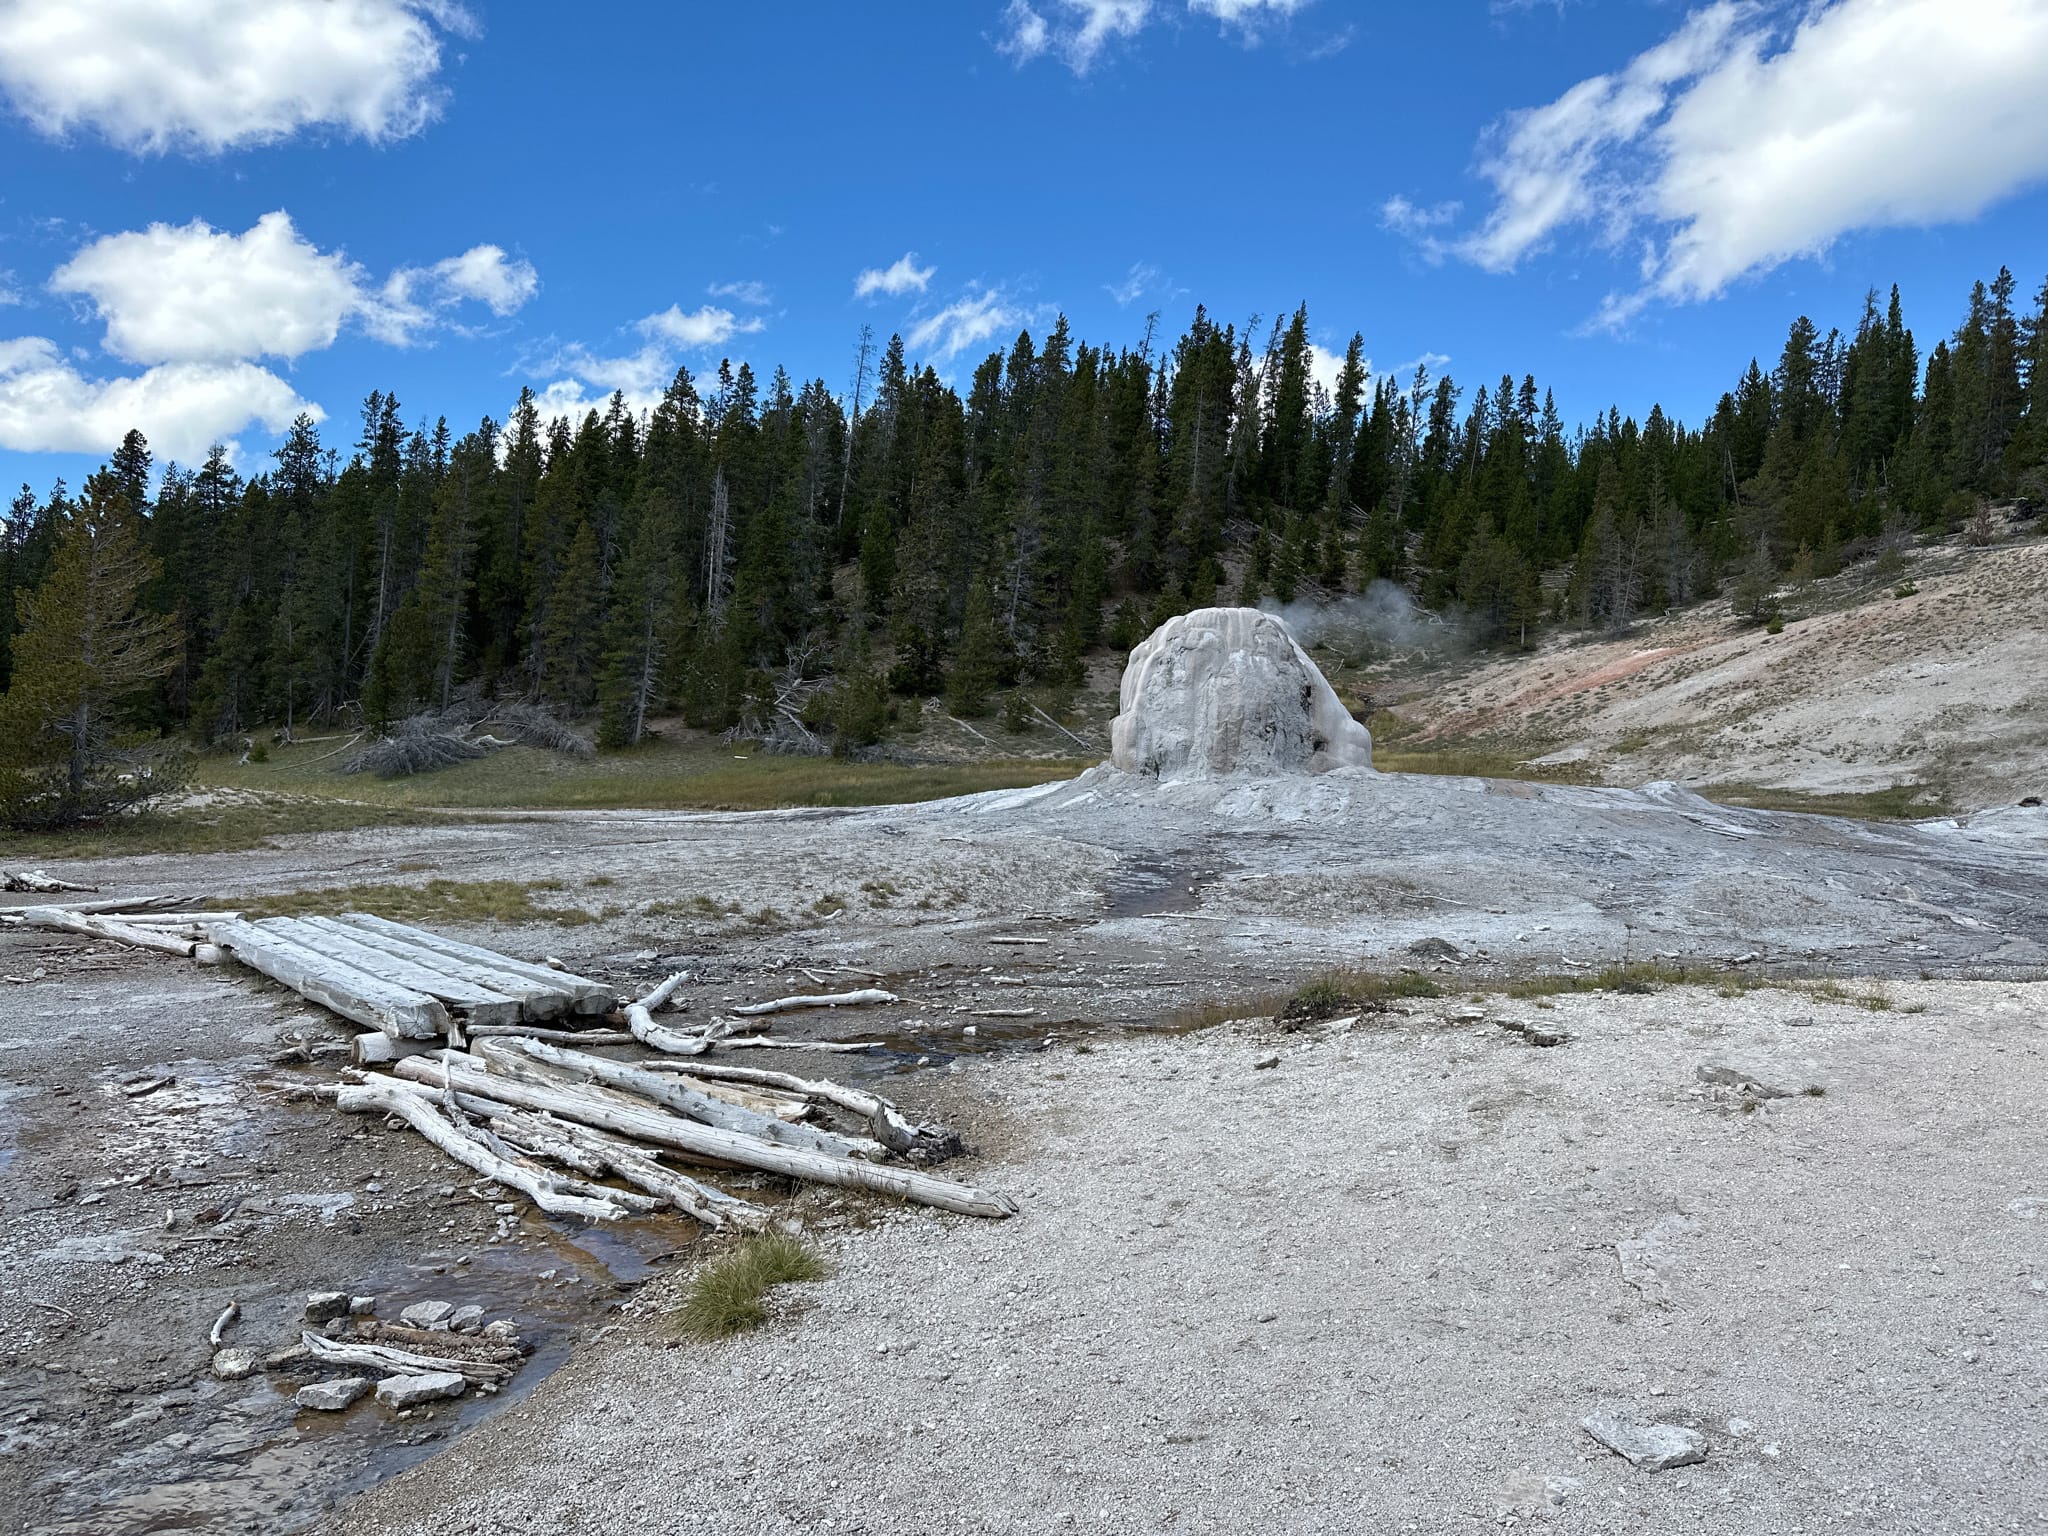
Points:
[205,227]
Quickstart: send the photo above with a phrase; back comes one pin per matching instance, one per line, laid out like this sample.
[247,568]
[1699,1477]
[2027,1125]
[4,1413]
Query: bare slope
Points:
[1864,690]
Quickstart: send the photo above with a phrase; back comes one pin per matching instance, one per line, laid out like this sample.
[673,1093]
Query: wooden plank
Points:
[538,1000]
[354,994]
[591,996]
[471,999]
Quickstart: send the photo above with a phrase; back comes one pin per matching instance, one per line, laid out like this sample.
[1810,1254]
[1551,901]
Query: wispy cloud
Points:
[1079,32]
[1138,282]
[1748,139]
[751,293]
[901,276]
[969,321]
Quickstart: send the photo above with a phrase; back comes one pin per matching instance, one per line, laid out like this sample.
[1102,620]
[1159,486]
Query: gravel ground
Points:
[1373,1286]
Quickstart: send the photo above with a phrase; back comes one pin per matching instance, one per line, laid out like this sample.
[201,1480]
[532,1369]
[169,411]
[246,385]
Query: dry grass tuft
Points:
[725,1295]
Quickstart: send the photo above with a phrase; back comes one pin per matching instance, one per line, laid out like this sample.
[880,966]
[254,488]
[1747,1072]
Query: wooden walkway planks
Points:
[404,981]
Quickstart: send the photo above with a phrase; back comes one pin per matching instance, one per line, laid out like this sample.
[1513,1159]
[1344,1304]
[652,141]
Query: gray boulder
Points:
[332,1396]
[413,1391]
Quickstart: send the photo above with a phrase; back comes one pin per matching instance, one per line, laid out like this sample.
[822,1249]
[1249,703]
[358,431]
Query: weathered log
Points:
[473,999]
[64,920]
[387,1361]
[666,1130]
[537,999]
[558,1197]
[888,1123]
[558,1036]
[228,1316]
[448,1346]
[374,1048]
[865,997]
[589,996]
[36,880]
[678,1097]
[128,905]
[564,1141]
[772,1042]
[354,994]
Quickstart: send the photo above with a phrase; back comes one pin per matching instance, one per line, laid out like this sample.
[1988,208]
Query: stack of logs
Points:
[549,1120]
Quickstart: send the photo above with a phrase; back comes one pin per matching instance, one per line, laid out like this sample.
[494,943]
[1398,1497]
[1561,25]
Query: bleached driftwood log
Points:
[537,999]
[689,1136]
[658,1037]
[65,920]
[575,1145]
[387,1361]
[684,1100]
[36,880]
[891,1128]
[127,905]
[354,994]
[590,996]
[541,1032]
[219,1334]
[473,999]
[557,1196]
[865,997]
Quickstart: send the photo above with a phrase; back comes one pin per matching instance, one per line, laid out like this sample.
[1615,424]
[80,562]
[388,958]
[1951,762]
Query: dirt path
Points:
[1375,1287]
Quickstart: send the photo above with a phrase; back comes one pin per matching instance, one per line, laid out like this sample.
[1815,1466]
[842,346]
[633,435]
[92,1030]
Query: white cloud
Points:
[183,293]
[967,322]
[1324,366]
[48,406]
[1748,139]
[213,75]
[1135,285]
[901,276]
[580,380]
[1419,223]
[1077,31]
[751,293]
[9,294]
[706,326]
[190,292]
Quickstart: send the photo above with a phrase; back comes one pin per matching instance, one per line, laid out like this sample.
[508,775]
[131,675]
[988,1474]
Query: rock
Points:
[362,1306]
[234,1364]
[290,1358]
[427,1314]
[1266,1065]
[1757,1080]
[503,1331]
[412,1391]
[1535,1033]
[1653,1447]
[466,1319]
[324,1306]
[1433,948]
[1226,691]
[332,1396]
[1530,1493]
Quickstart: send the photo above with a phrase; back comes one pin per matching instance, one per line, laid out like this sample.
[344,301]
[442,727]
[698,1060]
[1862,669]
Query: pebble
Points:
[411,1391]
[332,1396]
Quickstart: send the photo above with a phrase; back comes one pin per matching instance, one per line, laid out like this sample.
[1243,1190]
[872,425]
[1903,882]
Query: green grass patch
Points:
[1834,992]
[1902,802]
[1642,976]
[726,1295]
[690,772]
[457,901]
[228,828]
[1478,763]
[1330,993]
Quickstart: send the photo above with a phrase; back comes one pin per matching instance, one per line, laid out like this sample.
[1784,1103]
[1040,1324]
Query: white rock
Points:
[1653,1447]
[1225,691]
[332,1396]
[427,1314]
[234,1364]
[412,1391]
[467,1319]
